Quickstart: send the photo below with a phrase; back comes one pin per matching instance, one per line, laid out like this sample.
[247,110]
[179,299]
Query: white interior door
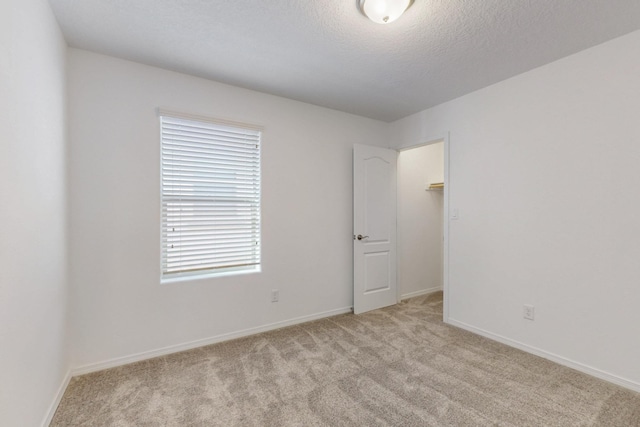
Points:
[374,228]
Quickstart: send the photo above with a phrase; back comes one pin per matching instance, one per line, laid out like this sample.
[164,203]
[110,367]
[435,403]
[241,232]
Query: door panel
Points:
[377,193]
[377,269]
[374,209]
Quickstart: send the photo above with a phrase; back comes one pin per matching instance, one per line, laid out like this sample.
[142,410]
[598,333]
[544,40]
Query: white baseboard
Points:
[632,385]
[420,292]
[56,401]
[119,361]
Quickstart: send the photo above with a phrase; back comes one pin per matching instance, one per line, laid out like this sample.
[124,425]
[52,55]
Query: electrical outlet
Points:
[275,295]
[529,312]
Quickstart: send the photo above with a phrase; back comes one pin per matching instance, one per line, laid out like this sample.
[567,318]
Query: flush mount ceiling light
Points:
[384,11]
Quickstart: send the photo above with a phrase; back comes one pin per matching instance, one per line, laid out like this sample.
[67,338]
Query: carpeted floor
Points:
[399,366]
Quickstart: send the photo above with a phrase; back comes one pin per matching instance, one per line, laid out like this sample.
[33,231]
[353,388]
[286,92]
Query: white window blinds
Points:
[210,197]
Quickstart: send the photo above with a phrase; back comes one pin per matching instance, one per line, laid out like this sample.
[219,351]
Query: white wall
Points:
[120,307]
[420,216]
[33,253]
[545,172]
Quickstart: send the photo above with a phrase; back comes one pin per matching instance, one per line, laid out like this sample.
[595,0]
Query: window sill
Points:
[212,275]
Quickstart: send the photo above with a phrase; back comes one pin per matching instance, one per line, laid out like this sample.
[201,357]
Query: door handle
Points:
[360,237]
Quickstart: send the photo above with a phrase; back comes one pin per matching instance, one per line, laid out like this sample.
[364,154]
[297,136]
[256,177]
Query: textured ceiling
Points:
[327,53]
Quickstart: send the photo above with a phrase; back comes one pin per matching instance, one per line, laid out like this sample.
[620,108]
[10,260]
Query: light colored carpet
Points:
[399,366]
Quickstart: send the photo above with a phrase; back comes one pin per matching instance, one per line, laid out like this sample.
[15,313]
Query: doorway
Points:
[421,221]
[375,226]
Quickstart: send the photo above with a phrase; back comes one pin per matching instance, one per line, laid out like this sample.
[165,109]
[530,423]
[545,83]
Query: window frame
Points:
[211,272]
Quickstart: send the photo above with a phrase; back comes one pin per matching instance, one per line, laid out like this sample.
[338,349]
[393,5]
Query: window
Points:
[210,197]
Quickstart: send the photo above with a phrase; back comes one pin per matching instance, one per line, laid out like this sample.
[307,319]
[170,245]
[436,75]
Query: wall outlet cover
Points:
[529,312]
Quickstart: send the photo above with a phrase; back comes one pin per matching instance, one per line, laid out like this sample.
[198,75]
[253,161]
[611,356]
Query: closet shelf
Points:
[437,186]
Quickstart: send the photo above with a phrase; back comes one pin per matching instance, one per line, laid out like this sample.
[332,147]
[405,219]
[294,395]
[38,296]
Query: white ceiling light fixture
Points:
[384,11]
